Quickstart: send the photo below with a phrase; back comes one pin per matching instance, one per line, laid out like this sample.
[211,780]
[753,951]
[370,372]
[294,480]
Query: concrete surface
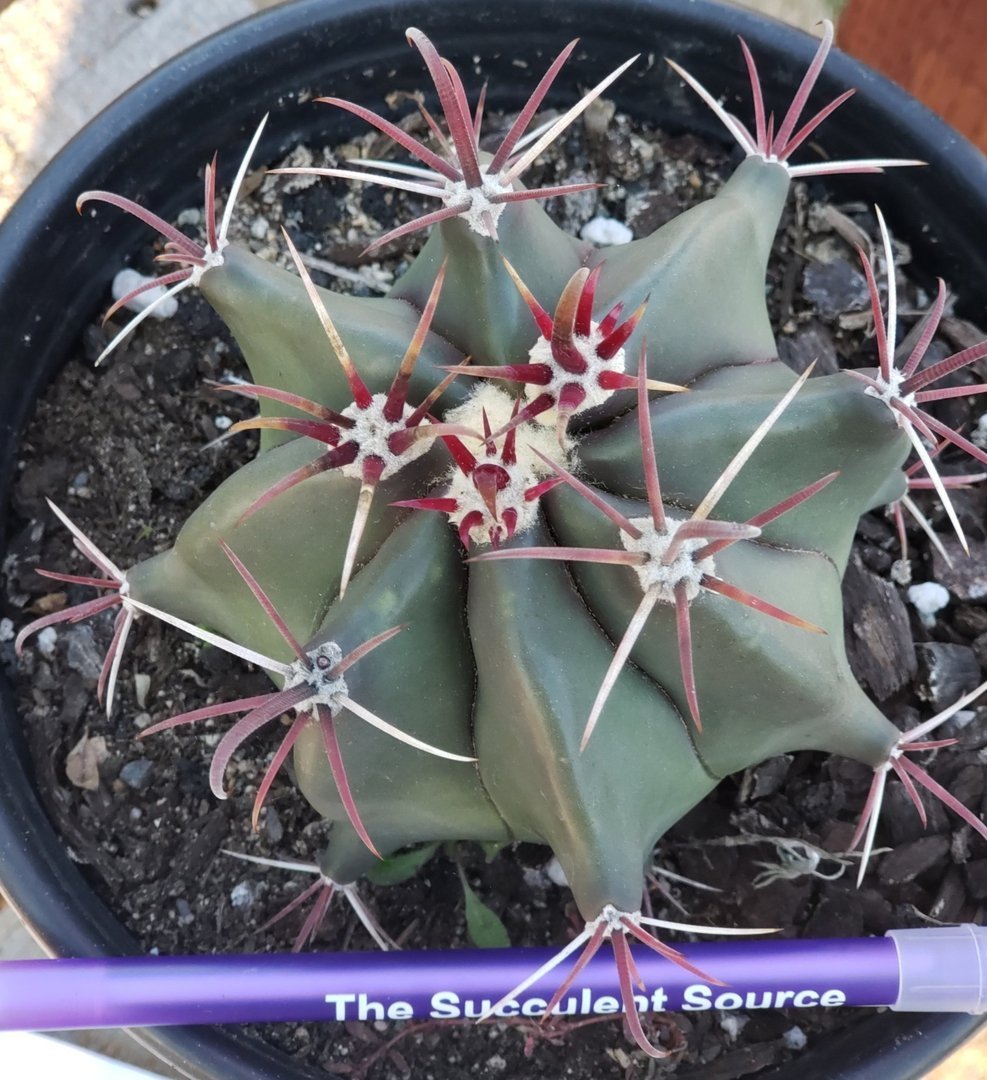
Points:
[62,61]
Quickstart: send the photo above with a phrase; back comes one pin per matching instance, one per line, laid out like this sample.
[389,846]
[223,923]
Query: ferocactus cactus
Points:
[577,486]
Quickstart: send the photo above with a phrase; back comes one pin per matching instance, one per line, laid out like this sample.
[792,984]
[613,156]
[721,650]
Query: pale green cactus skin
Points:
[503,659]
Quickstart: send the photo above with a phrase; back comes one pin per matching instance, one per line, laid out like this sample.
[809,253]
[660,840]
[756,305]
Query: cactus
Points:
[577,487]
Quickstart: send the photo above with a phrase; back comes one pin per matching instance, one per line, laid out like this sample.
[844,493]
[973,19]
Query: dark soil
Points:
[122,450]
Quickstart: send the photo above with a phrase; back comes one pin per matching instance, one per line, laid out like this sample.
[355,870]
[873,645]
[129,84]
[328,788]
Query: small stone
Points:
[901,572]
[243,894]
[82,654]
[142,685]
[223,423]
[877,531]
[907,862]
[46,641]
[647,211]
[536,878]
[496,1063]
[968,785]
[947,672]
[142,720]
[879,637]
[622,1059]
[794,1038]
[875,558]
[83,762]
[127,280]
[6,629]
[184,910]
[597,118]
[768,777]
[950,899]
[43,676]
[975,873]
[966,579]
[979,647]
[581,206]
[835,287]
[606,232]
[811,342]
[272,825]
[836,914]
[970,620]
[190,216]
[135,774]
[127,390]
[901,824]
[259,227]
[76,697]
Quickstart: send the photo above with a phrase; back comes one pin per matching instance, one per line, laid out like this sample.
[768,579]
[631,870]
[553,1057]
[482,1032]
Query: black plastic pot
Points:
[53,278]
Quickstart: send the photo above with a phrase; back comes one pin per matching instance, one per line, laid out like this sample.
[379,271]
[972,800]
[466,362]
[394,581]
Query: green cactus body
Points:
[525,617]
[767,688]
[503,658]
[290,350]
[704,268]
[420,579]
[481,311]
[696,434]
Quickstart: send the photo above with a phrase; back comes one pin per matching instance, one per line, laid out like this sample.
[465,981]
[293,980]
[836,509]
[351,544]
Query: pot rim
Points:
[39,877]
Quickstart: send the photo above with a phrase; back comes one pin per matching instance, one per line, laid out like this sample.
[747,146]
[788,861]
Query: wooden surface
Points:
[62,61]
[935,50]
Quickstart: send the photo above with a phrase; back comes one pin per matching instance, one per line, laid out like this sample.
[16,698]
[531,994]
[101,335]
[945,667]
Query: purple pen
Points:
[938,969]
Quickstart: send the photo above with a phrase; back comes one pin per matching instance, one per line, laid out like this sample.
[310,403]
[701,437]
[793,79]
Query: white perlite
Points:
[243,894]
[794,1038]
[555,874]
[928,597]
[46,641]
[127,280]
[606,232]
[732,1024]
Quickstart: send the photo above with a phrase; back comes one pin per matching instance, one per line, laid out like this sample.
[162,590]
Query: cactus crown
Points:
[609,520]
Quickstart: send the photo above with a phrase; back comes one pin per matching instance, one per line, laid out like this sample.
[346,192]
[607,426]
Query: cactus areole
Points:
[546,542]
